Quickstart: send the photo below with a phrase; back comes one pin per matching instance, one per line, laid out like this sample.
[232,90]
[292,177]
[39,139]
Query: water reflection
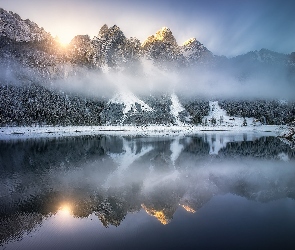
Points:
[110,177]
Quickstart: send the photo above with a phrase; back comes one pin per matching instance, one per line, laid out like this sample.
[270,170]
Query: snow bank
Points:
[10,133]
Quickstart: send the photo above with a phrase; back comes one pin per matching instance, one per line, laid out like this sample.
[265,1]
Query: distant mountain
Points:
[267,57]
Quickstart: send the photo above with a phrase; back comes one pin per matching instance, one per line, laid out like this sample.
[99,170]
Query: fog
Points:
[246,82]
[226,28]
[230,80]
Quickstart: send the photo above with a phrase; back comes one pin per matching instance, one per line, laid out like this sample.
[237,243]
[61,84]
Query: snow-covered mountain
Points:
[16,29]
[194,51]
[110,49]
[31,61]
[30,45]
[265,56]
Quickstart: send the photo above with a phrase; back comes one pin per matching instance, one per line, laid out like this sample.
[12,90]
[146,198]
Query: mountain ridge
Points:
[112,49]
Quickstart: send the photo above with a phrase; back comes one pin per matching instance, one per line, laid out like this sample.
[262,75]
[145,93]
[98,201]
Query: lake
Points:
[212,190]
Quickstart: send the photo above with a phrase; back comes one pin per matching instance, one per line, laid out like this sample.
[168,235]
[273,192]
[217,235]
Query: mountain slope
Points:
[14,28]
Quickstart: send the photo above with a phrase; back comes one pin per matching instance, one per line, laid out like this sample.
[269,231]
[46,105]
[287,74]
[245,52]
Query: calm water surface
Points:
[218,191]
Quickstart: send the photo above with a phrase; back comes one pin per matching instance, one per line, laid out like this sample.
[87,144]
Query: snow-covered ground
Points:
[9,133]
[221,118]
[222,124]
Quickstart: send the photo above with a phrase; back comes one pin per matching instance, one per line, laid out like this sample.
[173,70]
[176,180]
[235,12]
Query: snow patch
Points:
[129,100]
[218,117]
[176,108]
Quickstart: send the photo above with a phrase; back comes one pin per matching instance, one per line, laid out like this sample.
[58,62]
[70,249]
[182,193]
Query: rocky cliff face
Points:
[193,51]
[162,47]
[111,49]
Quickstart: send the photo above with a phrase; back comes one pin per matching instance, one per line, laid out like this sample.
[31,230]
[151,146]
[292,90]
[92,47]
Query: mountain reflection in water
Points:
[109,177]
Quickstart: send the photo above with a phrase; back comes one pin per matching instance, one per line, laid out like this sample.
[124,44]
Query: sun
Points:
[63,39]
[64,215]
[65,210]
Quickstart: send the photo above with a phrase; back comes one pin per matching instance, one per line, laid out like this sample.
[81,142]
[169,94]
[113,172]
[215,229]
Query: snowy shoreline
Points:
[11,133]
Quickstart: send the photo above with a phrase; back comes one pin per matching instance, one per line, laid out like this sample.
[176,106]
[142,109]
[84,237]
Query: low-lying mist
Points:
[227,81]
[194,82]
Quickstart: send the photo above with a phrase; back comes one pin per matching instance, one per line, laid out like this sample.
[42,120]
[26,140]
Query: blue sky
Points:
[226,27]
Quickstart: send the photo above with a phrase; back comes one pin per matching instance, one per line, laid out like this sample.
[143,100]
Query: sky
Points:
[226,27]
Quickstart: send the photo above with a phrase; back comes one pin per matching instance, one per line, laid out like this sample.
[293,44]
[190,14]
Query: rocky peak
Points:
[106,32]
[80,40]
[191,41]
[115,32]
[162,48]
[103,30]
[109,47]
[193,44]
[163,35]
[193,51]
[19,30]
[110,35]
